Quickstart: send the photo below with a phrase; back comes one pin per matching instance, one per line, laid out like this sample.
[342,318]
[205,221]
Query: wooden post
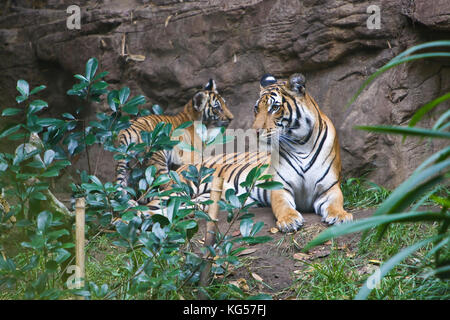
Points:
[79,239]
[210,235]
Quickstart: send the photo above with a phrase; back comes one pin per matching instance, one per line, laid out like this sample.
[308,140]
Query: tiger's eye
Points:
[275,107]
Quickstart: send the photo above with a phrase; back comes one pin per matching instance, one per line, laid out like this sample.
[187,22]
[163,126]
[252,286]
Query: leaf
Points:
[68,116]
[435,157]
[44,220]
[81,77]
[142,185]
[257,277]
[11,112]
[257,227]
[410,131]
[100,75]
[136,57]
[401,197]
[232,198]
[202,215]
[113,100]
[246,252]
[274,230]
[36,106]
[21,99]
[301,256]
[246,227]
[159,218]
[402,58]
[23,87]
[3,166]
[91,68]
[172,208]
[9,131]
[158,231]
[37,89]
[131,105]
[442,120]
[260,296]
[73,144]
[124,93]
[38,196]
[90,139]
[427,108]
[156,108]
[24,152]
[256,240]
[50,122]
[101,85]
[160,180]
[150,174]
[187,224]
[49,155]
[58,234]
[364,224]
[270,185]
[422,46]
[131,109]
[96,180]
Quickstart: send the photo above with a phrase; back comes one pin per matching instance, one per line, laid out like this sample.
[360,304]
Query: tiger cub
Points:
[206,105]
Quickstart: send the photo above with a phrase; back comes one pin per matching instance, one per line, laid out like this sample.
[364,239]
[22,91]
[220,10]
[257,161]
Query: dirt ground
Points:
[276,262]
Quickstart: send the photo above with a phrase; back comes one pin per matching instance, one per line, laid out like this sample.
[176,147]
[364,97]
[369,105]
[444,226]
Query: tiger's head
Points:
[284,109]
[211,105]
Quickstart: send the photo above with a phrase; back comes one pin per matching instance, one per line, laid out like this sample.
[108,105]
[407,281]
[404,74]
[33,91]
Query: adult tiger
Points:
[308,164]
[206,106]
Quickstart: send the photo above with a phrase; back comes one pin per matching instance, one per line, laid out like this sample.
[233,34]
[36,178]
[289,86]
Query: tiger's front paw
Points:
[290,221]
[337,216]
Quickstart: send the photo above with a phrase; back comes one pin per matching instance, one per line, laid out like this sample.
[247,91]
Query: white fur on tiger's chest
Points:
[307,174]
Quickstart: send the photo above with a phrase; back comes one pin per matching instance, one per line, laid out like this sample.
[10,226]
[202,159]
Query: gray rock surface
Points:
[236,41]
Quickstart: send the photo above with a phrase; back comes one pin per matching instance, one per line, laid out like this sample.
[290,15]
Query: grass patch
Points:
[360,193]
[343,272]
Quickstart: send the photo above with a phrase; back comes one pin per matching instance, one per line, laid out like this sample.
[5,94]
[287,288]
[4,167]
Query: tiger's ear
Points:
[297,83]
[267,80]
[211,86]
[199,101]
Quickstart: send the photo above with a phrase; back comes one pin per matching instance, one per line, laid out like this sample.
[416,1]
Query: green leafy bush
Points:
[159,260]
